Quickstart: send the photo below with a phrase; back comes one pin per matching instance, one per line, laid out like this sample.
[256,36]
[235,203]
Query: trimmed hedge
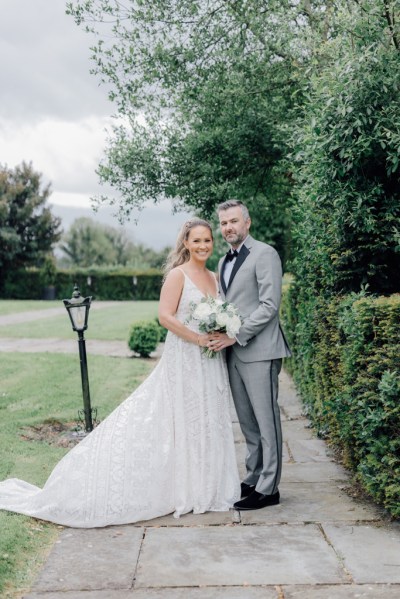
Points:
[346,365]
[100,283]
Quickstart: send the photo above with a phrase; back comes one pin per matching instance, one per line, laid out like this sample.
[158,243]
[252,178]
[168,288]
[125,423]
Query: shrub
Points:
[162,330]
[144,337]
[346,365]
[346,159]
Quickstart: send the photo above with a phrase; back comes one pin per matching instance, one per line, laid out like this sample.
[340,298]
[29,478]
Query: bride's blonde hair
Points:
[179,255]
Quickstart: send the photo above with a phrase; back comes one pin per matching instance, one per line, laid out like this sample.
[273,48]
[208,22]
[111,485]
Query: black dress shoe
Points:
[246,490]
[256,501]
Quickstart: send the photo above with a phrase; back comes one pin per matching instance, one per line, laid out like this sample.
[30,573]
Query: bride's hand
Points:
[219,341]
[203,340]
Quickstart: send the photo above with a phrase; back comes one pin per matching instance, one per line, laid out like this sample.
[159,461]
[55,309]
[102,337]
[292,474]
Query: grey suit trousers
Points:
[255,394]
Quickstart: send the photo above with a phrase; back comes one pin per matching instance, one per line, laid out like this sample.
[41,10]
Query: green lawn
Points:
[32,390]
[109,323]
[14,306]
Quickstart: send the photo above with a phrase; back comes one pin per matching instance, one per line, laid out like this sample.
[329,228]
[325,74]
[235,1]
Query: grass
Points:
[32,390]
[106,323]
[14,306]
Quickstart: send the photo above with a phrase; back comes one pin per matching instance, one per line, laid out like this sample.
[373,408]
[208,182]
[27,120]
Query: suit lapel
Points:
[244,252]
[221,276]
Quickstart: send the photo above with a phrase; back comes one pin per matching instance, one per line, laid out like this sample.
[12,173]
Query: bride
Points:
[168,448]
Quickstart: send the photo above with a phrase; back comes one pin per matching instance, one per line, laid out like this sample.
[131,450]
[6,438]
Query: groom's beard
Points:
[235,239]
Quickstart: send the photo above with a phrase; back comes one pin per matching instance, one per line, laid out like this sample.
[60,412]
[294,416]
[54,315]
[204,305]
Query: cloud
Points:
[67,153]
[54,114]
[45,64]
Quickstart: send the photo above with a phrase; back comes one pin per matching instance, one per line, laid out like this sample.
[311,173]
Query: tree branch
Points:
[391,24]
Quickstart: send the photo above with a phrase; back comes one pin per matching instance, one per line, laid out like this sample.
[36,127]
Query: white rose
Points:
[233,326]
[222,319]
[203,310]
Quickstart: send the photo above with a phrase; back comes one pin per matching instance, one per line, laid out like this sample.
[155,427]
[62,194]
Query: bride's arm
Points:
[169,301]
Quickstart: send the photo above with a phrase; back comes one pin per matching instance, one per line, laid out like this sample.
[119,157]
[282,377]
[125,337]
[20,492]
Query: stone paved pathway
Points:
[319,543]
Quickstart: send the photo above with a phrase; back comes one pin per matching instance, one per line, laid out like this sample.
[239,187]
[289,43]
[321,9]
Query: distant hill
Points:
[157,227]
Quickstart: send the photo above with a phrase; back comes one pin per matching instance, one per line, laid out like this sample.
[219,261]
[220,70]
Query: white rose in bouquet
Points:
[233,326]
[202,310]
[213,314]
[222,319]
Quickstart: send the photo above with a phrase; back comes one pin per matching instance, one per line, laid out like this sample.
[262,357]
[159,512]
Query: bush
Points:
[347,173]
[347,367]
[162,330]
[144,337]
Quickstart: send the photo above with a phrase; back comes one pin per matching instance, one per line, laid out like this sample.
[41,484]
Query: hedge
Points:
[347,368]
[100,283]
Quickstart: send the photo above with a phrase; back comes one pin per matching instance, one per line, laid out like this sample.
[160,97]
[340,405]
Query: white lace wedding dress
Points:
[167,448]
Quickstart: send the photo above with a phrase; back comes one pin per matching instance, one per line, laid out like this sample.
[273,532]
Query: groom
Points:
[250,276]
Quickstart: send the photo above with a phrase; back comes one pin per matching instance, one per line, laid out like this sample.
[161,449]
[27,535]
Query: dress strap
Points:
[216,282]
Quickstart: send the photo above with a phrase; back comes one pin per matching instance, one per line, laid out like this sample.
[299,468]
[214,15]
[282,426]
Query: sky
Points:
[54,114]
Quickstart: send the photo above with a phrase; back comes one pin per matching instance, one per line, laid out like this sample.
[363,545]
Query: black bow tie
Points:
[231,255]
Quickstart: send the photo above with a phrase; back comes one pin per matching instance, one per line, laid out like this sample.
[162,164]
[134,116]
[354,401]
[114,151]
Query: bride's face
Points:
[199,243]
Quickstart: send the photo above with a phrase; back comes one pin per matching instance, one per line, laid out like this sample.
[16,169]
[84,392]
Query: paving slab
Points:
[314,472]
[288,398]
[371,554]
[348,591]
[312,502]
[297,430]
[268,555]
[244,592]
[81,559]
[207,519]
[309,450]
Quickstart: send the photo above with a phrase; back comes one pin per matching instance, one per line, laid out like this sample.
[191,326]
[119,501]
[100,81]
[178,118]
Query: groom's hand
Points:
[220,341]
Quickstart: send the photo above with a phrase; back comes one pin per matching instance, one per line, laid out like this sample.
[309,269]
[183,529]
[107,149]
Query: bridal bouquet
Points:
[214,314]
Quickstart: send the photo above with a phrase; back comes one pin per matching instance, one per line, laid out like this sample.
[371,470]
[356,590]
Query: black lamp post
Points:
[78,310]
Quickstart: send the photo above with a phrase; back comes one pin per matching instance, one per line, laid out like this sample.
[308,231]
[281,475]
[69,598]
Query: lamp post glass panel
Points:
[78,310]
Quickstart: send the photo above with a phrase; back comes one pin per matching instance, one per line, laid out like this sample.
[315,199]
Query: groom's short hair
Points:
[233,204]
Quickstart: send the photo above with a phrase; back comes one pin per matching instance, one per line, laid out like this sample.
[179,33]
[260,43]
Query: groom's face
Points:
[234,227]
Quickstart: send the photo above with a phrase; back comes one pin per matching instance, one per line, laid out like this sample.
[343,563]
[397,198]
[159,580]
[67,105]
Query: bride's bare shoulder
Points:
[177,271]
[175,275]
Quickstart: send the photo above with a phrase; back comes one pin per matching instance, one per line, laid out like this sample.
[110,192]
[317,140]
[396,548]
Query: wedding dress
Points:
[167,448]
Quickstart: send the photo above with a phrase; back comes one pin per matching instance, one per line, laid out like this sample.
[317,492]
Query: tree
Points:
[212,92]
[28,229]
[88,243]
[347,161]
[206,91]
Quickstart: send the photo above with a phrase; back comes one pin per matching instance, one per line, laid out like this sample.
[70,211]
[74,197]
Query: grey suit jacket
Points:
[255,288]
